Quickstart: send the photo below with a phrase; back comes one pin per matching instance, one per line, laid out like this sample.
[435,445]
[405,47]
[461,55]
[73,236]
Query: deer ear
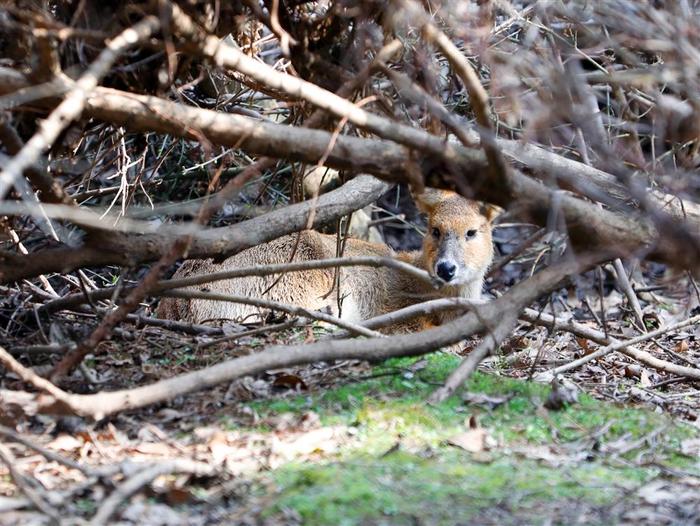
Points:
[489,211]
[429,198]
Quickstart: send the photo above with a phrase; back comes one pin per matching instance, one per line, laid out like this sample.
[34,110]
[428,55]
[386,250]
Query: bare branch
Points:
[229,57]
[102,404]
[142,478]
[260,270]
[461,374]
[612,344]
[274,305]
[219,242]
[74,102]
[32,493]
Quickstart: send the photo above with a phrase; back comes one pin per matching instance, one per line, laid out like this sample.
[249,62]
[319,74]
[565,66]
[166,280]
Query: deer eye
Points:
[436,233]
[471,233]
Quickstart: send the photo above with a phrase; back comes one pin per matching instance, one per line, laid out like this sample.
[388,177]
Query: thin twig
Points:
[274,305]
[74,101]
[612,344]
[478,96]
[51,455]
[517,251]
[144,477]
[465,369]
[263,329]
[259,270]
[32,494]
[626,287]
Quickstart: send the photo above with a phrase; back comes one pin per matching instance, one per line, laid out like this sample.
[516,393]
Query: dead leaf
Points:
[515,344]
[655,492]
[257,387]
[178,496]
[585,345]
[682,346]
[219,447]
[484,400]
[286,421]
[289,381]
[473,440]
[65,443]
[633,370]
[691,447]
[543,454]
[309,420]
[145,512]
[149,369]
[324,440]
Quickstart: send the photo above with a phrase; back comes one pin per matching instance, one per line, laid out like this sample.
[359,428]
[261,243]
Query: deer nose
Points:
[446,270]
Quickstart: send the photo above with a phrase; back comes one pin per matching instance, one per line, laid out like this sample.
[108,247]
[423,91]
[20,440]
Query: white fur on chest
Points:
[350,310]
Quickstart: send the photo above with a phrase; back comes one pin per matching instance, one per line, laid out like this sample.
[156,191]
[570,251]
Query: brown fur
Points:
[366,291]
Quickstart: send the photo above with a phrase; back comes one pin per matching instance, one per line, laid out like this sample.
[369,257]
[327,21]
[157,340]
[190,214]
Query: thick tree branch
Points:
[54,400]
[147,113]
[588,225]
[217,242]
[227,56]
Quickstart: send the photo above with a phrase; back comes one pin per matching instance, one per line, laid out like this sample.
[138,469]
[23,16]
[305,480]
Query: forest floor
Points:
[352,443]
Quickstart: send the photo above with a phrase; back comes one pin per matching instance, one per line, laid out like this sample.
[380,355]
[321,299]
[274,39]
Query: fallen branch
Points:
[425,308]
[92,218]
[611,345]
[624,283]
[144,477]
[176,326]
[491,341]
[259,137]
[51,399]
[25,487]
[220,242]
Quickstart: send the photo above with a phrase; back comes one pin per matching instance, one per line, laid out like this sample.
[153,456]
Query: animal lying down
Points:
[457,248]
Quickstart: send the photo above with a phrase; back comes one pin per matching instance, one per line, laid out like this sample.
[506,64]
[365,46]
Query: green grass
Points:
[429,481]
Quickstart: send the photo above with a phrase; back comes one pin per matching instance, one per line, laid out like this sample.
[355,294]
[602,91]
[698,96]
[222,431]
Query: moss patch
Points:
[400,469]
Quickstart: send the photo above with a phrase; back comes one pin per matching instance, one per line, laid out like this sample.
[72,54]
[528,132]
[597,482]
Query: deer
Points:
[457,249]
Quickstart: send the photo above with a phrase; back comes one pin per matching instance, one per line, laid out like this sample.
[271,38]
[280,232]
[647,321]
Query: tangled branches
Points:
[580,118]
